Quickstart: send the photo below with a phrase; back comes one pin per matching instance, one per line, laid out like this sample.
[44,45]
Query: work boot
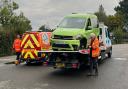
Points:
[16,62]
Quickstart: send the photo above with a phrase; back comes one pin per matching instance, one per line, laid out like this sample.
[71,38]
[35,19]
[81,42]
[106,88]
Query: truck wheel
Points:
[110,53]
[28,63]
[102,55]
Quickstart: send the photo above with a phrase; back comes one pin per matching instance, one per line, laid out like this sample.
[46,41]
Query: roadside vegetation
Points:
[10,25]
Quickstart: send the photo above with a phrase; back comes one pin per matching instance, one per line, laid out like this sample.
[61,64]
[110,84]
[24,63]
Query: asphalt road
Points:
[113,75]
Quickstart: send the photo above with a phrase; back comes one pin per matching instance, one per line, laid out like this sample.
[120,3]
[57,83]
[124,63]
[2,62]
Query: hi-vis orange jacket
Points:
[95,48]
[17,45]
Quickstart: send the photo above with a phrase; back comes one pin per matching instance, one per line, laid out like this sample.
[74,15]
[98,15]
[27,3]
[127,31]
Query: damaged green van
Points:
[74,31]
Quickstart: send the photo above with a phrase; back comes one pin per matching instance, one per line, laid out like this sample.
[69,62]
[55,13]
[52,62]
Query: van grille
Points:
[63,37]
[61,45]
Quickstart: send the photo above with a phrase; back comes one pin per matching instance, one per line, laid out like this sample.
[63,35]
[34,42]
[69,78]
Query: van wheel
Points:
[110,53]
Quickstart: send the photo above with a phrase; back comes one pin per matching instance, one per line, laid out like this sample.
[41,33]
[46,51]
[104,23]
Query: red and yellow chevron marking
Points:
[24,39]
[35,40]
[30,45]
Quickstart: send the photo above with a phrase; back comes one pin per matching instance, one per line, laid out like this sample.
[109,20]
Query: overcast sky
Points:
[50,12]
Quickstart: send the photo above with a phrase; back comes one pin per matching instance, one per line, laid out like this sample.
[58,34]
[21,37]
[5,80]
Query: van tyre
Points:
[110,53]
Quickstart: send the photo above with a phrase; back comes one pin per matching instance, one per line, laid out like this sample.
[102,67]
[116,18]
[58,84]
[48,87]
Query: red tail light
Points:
[45,63]
[74,66]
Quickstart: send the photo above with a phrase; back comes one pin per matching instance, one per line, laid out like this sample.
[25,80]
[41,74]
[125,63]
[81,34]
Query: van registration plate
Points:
[60,65]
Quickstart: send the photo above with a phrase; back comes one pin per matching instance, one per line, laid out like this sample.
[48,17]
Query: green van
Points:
[74,31]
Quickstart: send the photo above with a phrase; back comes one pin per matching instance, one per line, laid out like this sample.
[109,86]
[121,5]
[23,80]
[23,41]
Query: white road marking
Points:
[121,59]
[5,84]
[6,59]
[42,84]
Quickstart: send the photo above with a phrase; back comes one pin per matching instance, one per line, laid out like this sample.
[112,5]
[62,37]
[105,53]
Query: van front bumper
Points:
[64,44]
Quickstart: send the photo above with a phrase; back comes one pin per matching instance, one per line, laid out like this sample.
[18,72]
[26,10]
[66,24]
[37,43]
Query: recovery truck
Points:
[70,40]
[33,41]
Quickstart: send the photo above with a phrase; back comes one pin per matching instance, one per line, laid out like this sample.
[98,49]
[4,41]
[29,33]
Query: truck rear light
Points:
[43,55]
[84,51]
[74,66]
[45,63]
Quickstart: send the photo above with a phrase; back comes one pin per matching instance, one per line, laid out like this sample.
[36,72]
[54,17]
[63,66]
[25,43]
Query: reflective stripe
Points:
[22,52]
[29,54]
[29,44]
[35,51]
[26,36]
[17,45]
[35,40]
[17,50]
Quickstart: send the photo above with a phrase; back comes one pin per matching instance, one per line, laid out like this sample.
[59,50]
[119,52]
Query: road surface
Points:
[113,75]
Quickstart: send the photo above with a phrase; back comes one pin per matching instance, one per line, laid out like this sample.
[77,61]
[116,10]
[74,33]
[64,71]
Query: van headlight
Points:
[52,36]
[77,37]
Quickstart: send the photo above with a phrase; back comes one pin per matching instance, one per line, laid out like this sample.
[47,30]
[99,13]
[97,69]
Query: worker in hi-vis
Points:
[94,54]
[17,48]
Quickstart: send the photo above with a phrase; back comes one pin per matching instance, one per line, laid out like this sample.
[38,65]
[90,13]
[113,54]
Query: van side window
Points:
[100,31]
[106,32]
[94,22]
[88,23]
[100,35]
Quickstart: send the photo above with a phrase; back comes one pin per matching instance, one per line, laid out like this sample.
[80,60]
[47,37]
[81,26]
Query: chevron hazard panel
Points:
[30,45]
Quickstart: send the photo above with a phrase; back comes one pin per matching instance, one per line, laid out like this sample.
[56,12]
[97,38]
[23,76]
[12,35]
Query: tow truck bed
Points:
[65,59]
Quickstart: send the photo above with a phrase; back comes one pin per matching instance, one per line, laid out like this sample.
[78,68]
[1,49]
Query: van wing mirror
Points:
[110,35]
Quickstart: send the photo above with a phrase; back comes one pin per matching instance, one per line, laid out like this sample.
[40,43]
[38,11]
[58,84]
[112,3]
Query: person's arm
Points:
[13,46]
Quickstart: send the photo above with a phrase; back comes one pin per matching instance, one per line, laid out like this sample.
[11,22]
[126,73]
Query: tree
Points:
[10,21]
[122,9]
[20,24]
[10,25]
[44,28]
[101,14]
[5,16]
[113,22]
[119,34]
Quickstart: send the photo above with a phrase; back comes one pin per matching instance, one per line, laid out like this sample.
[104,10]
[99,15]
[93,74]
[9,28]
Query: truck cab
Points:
[73,32]
[105,41]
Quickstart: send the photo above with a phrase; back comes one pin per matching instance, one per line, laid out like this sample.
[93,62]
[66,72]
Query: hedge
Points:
[6,41]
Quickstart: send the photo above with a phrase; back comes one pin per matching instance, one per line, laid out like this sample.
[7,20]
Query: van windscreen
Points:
[73,23]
